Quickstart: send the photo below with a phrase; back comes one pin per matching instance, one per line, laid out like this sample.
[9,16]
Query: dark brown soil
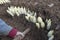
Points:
[42,9]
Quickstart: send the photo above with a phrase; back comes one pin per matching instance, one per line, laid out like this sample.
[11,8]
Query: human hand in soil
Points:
[7,30]
[21,35]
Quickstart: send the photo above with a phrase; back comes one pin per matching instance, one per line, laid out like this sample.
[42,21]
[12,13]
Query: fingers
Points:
[18,37]
[26,31]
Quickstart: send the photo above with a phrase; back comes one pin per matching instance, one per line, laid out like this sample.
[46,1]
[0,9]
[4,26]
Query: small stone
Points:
[51,5]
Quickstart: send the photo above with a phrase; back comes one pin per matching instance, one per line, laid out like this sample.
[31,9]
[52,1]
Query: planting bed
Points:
[42,9]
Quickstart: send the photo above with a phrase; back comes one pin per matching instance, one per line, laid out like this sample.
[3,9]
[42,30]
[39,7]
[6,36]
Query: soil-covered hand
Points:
[21,35]
[18,37]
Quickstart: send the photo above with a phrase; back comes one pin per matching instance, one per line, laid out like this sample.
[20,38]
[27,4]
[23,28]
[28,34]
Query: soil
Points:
[42,9]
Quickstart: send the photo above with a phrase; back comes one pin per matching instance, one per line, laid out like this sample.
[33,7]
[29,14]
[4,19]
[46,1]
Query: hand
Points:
[20,35]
